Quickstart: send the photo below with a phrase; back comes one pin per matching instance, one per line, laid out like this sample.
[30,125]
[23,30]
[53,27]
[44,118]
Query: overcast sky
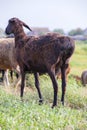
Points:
[66,14]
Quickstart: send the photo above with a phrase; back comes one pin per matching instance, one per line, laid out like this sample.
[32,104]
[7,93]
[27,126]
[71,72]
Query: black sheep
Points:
[43,54]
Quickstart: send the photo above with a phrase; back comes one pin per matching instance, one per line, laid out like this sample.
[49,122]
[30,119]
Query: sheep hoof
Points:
[40,101]
[22,99]
[62,102]
[53,106]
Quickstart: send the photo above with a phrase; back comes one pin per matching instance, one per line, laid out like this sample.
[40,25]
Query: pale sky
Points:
[65,14]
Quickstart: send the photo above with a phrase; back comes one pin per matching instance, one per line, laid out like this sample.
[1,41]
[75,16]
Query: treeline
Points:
[2,33]
[73,32]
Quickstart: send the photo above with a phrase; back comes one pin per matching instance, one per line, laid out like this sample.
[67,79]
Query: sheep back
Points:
[43,50]
[7,53]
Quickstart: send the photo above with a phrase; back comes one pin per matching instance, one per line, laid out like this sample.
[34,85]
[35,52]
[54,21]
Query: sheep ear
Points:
[25,25]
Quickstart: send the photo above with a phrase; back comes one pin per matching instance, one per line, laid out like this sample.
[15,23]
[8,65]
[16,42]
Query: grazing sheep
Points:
[7,58]
[43,54]
[84,77]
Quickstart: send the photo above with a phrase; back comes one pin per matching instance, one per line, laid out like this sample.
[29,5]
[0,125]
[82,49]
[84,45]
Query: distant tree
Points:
[77,31]
[85,32]
[61,31]
[2,34]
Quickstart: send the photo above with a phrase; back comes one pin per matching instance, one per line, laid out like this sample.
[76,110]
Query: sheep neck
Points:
[20,34]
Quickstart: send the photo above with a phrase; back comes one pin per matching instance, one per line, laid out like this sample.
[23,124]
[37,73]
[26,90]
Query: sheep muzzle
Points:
[7,31]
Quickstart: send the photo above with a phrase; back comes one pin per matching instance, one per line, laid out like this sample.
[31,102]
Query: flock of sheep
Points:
[48,53]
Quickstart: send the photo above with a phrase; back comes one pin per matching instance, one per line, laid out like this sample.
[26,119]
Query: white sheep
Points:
[8,58]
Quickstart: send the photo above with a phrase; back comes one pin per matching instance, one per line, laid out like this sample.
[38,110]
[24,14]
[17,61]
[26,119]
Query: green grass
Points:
[28,115]
[79,58]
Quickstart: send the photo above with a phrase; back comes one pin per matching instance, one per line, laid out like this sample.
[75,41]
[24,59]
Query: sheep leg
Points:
[55,87]
[6,81]
[3,72]
[22,83]
[18,76]
[11,74]
[17,82]
[63,83]
[36,76]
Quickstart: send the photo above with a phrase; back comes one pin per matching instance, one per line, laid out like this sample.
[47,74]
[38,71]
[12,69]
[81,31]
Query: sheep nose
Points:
[6,31]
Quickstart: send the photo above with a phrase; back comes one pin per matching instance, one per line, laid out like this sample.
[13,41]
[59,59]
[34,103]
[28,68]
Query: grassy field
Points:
[28,115]
[79,59]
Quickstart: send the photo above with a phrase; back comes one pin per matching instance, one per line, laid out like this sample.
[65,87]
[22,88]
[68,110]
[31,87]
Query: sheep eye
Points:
[11,21]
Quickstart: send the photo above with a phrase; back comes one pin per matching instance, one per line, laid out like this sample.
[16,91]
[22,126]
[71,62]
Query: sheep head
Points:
[14,24]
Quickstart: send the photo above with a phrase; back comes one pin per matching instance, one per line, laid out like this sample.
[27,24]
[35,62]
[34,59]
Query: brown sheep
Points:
[43,54]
